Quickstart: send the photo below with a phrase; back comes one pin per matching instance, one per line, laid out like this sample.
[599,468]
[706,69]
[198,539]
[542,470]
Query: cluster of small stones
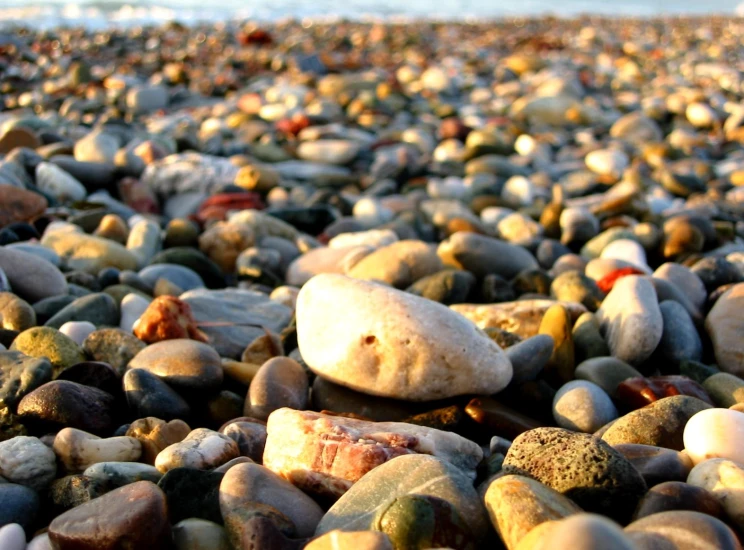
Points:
[373,287]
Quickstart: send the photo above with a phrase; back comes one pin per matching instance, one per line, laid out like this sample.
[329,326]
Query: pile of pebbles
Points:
[373,286]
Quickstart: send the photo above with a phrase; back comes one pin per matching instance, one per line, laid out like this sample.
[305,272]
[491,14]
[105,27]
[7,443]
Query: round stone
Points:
[583,407]
[280,382]
[715,433]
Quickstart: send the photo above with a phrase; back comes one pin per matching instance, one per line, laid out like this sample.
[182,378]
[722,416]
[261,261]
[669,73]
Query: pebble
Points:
[675,495]
[393,343]
[27,461]
[529,357]
[192,493]
[682,529]
[77,450]
[100,309]
[199,534]
[305,464]
[155,435]
[583,406]
[18,504]
[606,372]
[201,449]
[12,537]
[88,253]
[280,382]
[30,276]
[631,320]
[147,395]
[714,433]
[107,522]
[680,339]
[657,464]
[483,255]
[360,540]
[119,474]
[20,375]
[133,307]
[723,323]
[77,331]
[593,474]
[112,346]
[726,390]
[579,531]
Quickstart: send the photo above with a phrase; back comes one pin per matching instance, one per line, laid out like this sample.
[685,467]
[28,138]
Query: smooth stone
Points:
[40,542]
[19,205]
[71,491]
[659,424]
[112,346]
[297,448]
[145,99]
[134,516]
[403,475]
[48,342]
[18,504]
[529,357]
[606,372]
[607,162]
[133,306]
[280,382]
[182,363]
[675,495]
[30,276]
[20,375]
[521,317]
[578,532]
[63,403]
[557,324]
[12,537]
[583,406]
[240,317]
[88,253]
[333,397]
[399,264]
[636,128]
[144,241]
[724,479]
[359,540]
[181,276]
[195,260]
[588,340]
[27,461]
[77,450]
[579,466]
[657,464]
[631,320]
[409,359]
[446,287]
[15,313]
[328,151]
[77,331]
[250,436]
[685,280]
[322,260]
[57,183]
[202,449]
[517,504]
[147,395]
[99,309]
[715,433]
[482,255]
[375,238]
[192,493]
[118,474]
[199,534]
[679,339]
[260,526]
[725,389]
[247,483]
[682,530]
[724,325]
[155,435]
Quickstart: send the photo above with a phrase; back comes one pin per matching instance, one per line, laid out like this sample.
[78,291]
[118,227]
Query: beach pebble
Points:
[118,474]
[726,390]
[675,495]
[15,313]
[112,346]
[399,264]
[582,406]
[12,537]
[529,357]
[631,320]
[297,442]
[59,184]
[517,504]
[107,522]
[724,479]
[607,162]
[27,461]
[77,331]
[20,375]
[133,307]
[199,534]
[248,483]
[578,531]
[155,435]
[714,433]
[403,475]
[147,395]
[30,276]
[724,323]
[18,504]
[88,253]
[99,308]
[680,339]
[77,450]
[401,354]
[360,540]
[482,255]
[280,382]
[192,493]
[682,529]
[147,98]
[566,461]
[201,449]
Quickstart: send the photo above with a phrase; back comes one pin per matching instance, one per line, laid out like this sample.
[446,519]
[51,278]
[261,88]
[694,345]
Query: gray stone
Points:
[99,309]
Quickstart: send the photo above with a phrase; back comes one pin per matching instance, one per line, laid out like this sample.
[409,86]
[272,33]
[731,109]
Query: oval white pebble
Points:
[715,433]
[12,537]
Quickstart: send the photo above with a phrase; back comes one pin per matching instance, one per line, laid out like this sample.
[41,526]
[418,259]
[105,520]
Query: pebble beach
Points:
[373,285]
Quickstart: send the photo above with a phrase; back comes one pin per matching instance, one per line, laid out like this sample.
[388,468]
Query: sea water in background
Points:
[104,13]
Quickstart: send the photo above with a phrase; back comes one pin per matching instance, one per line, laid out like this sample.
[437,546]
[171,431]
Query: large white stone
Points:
[725,479]
[725,324]
[381,341]
[715,433]
[27,461]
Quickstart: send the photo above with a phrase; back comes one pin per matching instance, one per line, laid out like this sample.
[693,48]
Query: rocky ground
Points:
[373,286]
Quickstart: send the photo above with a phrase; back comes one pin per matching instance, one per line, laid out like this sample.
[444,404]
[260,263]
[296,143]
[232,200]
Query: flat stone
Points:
[134,515]
[30,276]
[89,253]
[238,317]
[298,442]
[579,466]
[61,403]
[406,475]
[247,483]
[659,424]
[393,344]
[202,449]
[482,255]
[100,309]
[182,363]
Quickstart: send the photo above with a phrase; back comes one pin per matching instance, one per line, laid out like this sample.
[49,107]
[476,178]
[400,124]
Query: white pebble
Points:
[12,537]
[77,330]
[715,433]
[132,308]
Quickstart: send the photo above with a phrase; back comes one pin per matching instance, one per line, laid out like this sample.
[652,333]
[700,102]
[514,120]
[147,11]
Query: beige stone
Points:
[725,325]
[399,264]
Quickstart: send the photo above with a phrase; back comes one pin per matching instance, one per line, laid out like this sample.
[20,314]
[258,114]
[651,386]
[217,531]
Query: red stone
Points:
[167,318]
[216,207]
[294,125]
[138,196]
[638,392]
[19,205]
[608,281]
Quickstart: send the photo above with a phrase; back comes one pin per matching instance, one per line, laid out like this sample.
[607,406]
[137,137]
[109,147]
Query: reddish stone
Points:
[18,137]
[167,318]
[215,208]
[453,127]
[19,205]
[638,392]
[138,196]
[255,37]
[294,125]
[250,103]
[608,281]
